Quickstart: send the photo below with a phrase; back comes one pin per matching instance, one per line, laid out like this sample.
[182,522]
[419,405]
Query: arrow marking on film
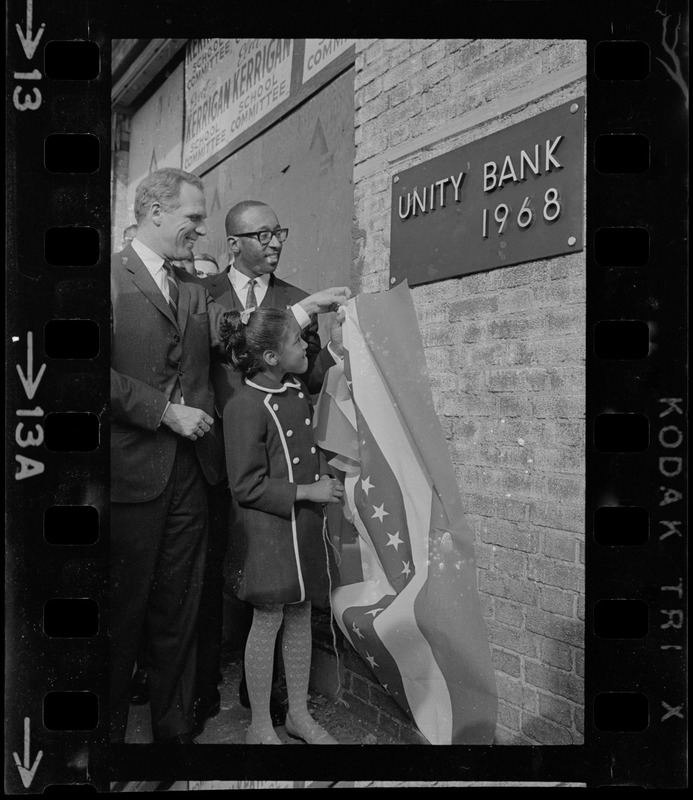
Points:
[29,44]
[28,382]
[26,771]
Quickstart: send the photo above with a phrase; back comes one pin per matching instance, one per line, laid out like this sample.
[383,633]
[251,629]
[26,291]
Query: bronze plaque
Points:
[513,196]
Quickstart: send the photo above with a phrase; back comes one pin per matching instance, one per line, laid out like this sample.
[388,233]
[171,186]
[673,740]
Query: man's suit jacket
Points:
[280,294]
[150,350]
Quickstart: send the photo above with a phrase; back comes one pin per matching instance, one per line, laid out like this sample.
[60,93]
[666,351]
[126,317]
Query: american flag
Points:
[407,598]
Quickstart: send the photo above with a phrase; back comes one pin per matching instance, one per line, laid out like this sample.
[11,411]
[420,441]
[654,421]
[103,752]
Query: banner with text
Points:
[230,84]
[318,53]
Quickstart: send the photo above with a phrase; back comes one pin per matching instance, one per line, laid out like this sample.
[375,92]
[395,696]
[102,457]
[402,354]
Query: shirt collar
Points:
[239,281]
[151,260]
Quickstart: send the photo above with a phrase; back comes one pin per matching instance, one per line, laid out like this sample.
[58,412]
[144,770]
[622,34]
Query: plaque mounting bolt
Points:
[393,280]
[572,240]
[574,108]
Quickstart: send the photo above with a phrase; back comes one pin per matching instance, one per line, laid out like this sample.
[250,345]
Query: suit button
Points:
[307,421]
[176,338]
[275,407]
[289,433]
[312,449]
[317,477]
[300,394]
[296,460]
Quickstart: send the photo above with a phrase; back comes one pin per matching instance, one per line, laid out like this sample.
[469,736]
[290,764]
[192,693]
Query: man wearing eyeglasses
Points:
[255,240]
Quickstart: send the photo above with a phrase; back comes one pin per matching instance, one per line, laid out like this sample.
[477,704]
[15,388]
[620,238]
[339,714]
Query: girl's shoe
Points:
[309,731]
[268,738]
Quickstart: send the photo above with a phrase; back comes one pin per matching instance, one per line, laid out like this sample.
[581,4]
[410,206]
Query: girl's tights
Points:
[259,655]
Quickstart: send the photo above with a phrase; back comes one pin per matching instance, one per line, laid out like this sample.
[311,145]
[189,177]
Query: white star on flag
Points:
[406,569]
[380,512]
[366,484]
[395,541]
[357,631]
[371,660]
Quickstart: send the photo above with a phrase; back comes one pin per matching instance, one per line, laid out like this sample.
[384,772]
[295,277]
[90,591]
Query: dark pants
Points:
[211,618]
[157,564]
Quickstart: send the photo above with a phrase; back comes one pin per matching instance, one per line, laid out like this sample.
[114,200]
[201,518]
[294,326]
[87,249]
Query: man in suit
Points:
[206,265]
[255,241]
[128,235]
[166,450]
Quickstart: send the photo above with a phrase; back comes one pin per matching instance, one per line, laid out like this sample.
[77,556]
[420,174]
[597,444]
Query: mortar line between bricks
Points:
[561,79]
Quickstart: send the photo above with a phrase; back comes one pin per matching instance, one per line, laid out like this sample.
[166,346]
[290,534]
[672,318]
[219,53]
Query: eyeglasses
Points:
[265,237]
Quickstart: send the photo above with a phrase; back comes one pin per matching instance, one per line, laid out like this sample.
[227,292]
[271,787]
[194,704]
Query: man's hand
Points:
[192,423]
[326,300]
[336,337]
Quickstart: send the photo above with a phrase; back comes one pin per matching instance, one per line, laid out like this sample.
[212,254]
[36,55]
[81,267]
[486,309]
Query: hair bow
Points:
[245,314]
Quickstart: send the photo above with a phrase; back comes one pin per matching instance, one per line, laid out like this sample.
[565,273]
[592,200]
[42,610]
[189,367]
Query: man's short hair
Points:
[162,186]
[233,217]
[207,257]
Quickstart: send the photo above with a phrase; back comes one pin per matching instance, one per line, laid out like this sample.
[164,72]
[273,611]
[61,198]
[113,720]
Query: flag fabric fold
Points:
[407,597]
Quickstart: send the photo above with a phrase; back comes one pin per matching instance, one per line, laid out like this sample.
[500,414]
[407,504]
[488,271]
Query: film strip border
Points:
[57,357]
[58,90]
[637,404]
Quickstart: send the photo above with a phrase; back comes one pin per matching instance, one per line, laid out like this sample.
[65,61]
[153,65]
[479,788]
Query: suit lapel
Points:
[276,295]
[142,278]
[224,293]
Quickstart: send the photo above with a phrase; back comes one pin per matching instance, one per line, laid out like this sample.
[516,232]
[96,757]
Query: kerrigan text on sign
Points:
[229,85]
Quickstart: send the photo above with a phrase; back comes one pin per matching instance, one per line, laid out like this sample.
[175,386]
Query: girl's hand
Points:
[326,490]
[336,489]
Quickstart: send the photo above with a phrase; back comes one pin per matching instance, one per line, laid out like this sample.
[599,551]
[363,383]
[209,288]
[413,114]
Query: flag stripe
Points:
[381,509]
[427,644]
[424,683]
[409,385]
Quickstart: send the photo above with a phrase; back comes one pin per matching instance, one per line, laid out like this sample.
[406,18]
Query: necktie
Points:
[250,299]
[176,395]
[172,288]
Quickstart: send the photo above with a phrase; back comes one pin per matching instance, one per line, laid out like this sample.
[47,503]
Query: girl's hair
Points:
[245,344]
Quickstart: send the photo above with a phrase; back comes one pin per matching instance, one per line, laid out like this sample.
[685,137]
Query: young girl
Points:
[277,557]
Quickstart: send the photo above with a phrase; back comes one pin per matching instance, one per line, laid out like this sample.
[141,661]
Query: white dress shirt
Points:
[154,263]
[240,282]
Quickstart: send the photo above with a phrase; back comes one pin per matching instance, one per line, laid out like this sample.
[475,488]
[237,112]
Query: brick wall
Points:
[505,351]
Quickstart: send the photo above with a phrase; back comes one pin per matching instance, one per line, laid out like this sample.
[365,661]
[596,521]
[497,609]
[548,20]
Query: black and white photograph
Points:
[389,179]
[385,456]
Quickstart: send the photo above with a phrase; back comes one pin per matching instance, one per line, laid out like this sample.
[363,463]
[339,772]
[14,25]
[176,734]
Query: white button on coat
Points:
[300,394]
[289,433]
[275,407]
[312,449]
[296,460]
[317,477]
[307,421]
